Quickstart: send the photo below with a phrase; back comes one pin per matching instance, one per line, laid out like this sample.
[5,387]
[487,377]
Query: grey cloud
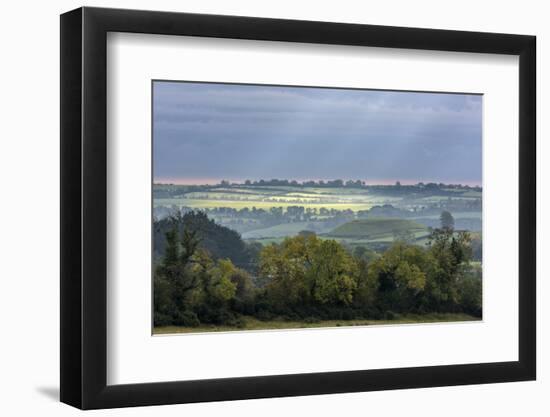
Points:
[242,131]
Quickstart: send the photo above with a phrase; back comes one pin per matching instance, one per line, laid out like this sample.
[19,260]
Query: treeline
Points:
[161,190]
[350,183]
[311,183]
[311,279]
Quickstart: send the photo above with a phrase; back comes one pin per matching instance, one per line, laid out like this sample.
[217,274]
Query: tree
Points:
[220,288]
[332,275]
[470,294]
[447,220]
[363,253]
[367,285]
[285,267]
[401,275]
[244,287]
[309,270]
[176,288]
[359,252]
[451,253]
[306,276]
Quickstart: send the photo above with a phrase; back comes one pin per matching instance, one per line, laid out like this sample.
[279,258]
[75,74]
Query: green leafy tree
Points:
[470,295]
[363,253]
[306,277]
[401,276]
[332,275]
[285,266]
[220,287]
[452,253]
[367,285]
[175,286]
[306,269]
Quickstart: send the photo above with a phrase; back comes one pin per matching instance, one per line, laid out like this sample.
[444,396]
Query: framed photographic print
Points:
[258,207]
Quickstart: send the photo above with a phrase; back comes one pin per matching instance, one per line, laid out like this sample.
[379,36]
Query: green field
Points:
[268,240]
[281,230]
[261,204]
[354,232]
[236,206]
[266,197]
[376,227]
[456,215]
[419,238]
[251,323]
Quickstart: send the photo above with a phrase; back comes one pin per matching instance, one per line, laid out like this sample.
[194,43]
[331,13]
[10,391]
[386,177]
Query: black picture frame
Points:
[84,207]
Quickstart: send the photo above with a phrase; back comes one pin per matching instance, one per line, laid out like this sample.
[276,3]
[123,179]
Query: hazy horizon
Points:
[206,132]
[216,181]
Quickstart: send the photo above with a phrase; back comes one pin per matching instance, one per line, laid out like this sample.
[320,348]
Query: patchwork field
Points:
[370,228]
[266,203]
[272,196]
[286,229]
[354,215]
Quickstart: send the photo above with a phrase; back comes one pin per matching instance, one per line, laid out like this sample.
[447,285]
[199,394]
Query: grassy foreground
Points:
[252,323]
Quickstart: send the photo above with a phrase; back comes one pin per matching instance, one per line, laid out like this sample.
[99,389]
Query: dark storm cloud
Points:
[215,131]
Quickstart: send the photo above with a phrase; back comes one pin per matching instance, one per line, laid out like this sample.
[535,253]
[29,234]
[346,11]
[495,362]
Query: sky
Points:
[206,132]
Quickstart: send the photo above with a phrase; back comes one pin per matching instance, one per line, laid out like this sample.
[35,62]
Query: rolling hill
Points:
[377,228]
